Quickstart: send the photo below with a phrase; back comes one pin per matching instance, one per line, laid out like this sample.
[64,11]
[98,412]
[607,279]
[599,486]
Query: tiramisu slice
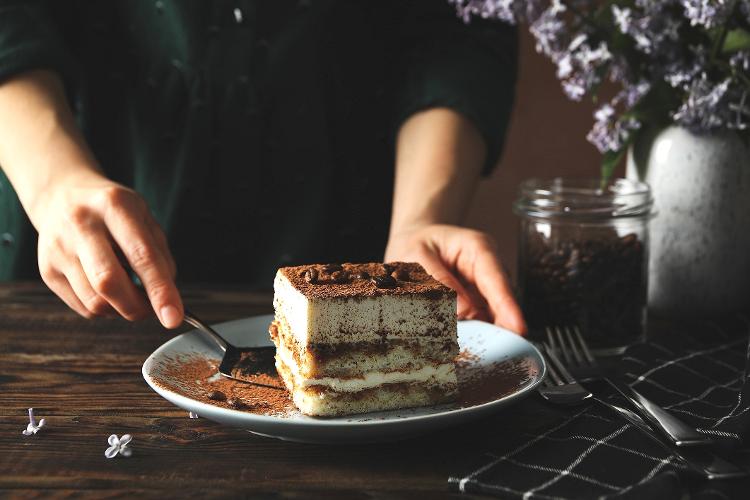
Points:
[356,338]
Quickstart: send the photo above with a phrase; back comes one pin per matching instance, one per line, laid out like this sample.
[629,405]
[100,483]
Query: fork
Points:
[560,387]
[579,359]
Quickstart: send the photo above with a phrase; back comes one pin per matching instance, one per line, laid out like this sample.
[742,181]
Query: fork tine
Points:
[560,367]
[563,348]
[551,371]
[572,342]
[584,346]
[551,342]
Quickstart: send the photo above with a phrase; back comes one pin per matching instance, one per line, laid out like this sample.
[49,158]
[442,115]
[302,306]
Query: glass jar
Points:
[583,258]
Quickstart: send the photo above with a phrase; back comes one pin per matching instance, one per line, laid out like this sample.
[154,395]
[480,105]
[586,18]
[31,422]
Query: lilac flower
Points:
[679,75]
[504,10]
[622,18]
[579,66]
[701,110]
[550,31]
[118,445]
[632,94]
[33,426]
[708,13]
[608,134]
[652,27]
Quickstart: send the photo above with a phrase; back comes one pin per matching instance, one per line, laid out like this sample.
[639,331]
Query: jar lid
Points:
[583,199]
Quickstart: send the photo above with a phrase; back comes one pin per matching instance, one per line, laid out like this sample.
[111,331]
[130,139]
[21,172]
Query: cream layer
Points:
[439,374]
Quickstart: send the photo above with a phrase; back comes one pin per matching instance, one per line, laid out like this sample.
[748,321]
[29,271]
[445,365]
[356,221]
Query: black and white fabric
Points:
[699,372]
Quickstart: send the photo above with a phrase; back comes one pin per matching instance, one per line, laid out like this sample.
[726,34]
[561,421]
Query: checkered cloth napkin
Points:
[698,372]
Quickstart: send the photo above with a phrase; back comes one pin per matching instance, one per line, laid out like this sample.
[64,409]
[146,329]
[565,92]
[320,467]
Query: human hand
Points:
[466,261]
[84,223]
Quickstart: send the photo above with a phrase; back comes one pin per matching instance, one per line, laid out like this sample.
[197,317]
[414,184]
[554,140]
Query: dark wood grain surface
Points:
[84,377]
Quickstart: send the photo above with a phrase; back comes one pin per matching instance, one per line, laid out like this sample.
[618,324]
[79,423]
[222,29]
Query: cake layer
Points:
[417,312]
[353,359]
[439,373]
[317,400]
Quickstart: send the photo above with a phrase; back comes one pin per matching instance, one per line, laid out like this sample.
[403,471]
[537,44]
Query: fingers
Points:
[59,285]
[144,253]
[91,300]
[161,241]
[468,307]
[104,273]
[494,285]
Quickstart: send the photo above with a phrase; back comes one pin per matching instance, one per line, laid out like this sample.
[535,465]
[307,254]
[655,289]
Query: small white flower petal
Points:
[41,423]
[27,432]
[113,440]
[126,452]
[125,439]
[111,452]
[192,414]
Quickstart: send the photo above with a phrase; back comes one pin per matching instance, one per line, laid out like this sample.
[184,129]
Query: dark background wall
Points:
[547,138]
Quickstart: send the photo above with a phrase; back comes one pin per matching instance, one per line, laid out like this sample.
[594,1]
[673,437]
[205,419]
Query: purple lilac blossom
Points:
[708,13]
[671,41]
[701,110]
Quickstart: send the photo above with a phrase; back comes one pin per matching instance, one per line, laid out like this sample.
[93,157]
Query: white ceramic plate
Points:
[484,388]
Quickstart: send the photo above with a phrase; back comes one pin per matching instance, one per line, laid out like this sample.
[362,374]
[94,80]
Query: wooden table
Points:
[84,377]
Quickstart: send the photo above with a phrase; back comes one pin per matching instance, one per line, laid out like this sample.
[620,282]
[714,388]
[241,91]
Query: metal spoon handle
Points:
[203,327]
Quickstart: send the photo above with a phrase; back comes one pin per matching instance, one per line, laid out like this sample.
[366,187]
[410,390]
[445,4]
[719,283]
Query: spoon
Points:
[244,364]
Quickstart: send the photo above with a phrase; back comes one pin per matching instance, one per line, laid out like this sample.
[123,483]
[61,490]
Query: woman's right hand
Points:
[88,227]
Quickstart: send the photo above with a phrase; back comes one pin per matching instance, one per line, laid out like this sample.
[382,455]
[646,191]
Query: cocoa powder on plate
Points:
[197,377]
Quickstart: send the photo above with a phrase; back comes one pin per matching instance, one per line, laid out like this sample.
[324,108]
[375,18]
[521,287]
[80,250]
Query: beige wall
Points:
[547,138]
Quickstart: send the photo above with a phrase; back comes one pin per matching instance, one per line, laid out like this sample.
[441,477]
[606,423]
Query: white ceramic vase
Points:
[700,238]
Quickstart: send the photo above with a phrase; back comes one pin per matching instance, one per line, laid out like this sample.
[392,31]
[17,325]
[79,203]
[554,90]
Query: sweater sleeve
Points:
[30,39]
[470,68]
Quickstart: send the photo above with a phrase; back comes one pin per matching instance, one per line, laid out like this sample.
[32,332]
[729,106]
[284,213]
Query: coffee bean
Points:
[340,277]
[364,275]
[384,281]
[237,404]
[596,283]
[332,268]
[216,396]
[400,275]
[388,268]
[311,276]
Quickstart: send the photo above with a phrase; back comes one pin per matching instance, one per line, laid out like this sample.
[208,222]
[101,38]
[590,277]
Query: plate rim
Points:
[312,422]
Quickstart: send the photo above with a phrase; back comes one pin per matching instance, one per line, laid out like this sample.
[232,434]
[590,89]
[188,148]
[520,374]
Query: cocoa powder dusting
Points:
[197,377]
[466,358]
[478,384]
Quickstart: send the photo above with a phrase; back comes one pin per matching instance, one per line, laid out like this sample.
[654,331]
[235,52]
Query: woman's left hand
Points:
[465,260]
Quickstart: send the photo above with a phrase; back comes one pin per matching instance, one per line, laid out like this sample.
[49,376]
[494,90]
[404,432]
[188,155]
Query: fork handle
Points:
[680,433]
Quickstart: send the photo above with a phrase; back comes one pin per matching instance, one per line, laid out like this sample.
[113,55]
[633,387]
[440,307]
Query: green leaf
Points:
[735,40]
[610,160]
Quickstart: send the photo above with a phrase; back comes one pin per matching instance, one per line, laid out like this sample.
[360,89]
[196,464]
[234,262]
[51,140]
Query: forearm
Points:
[40,144]
[439,156]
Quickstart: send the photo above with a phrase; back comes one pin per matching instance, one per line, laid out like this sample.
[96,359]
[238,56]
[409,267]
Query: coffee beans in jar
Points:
[583,258]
